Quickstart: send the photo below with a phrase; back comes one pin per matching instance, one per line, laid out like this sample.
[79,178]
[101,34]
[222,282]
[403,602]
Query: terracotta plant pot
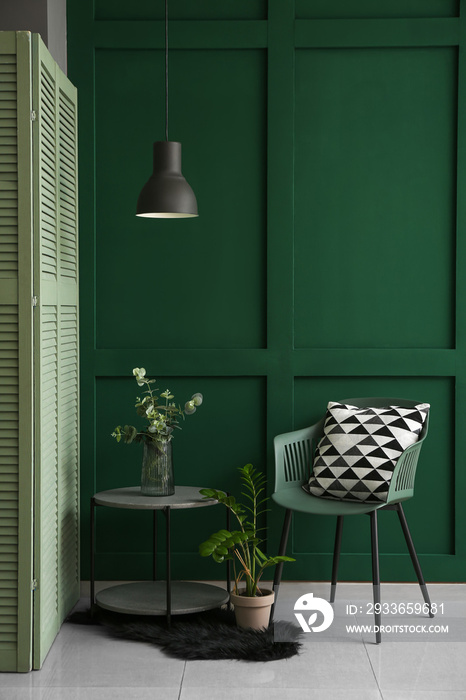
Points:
[253,612]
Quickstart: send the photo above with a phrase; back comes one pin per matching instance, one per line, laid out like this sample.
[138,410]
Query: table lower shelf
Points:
[150,597]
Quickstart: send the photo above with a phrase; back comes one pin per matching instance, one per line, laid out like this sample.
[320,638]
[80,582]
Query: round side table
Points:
[156,597]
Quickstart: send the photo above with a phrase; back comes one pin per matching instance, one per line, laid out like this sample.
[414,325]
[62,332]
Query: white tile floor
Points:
[85,664]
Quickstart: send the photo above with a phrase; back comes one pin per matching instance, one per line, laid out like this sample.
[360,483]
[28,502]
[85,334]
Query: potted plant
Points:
[252,604]
[157,464]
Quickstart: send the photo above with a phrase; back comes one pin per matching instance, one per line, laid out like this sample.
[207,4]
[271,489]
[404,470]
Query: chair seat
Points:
[295,498]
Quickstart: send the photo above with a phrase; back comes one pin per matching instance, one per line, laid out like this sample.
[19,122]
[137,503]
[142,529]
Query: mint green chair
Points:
[294,453]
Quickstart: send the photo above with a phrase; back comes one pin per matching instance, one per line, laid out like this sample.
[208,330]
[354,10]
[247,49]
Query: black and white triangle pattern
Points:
[355,458]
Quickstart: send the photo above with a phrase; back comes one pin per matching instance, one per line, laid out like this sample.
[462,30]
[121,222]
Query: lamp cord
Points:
[166,70]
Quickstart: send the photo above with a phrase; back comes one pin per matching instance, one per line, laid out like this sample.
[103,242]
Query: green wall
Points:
[325,142]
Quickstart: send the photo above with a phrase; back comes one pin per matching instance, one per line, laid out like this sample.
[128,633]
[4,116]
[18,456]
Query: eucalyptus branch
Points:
[161,425]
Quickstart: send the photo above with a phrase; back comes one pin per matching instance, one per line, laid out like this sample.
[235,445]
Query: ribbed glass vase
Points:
[157,470]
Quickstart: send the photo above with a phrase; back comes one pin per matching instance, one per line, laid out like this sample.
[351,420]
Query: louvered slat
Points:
[8,169]
[9,427]
[68,449]
[48,176]
[9,364]
[67,187]
[49,456]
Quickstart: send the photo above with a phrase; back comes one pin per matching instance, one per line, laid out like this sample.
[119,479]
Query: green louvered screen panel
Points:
[38,436]
[46,606]
[46,618]
[67,187]
[8,480]
[8,167]
[48,176]
[56,359]
[68,572]
[9,416]
[9,358]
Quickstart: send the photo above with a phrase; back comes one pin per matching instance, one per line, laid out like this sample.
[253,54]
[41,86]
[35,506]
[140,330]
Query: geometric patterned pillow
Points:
[355,458]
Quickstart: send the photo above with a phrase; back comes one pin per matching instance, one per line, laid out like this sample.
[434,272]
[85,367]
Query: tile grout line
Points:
[182,679]
[373,671]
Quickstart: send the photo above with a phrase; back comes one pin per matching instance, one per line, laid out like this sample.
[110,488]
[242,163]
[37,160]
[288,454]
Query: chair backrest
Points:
[294,452]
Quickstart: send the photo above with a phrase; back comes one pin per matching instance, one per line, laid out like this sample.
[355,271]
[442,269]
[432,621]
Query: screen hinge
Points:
[35,300]
[34,584]
[33,115]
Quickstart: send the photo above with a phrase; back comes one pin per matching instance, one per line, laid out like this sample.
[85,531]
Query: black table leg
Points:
[154,561]
[229,560]
[92,573]
[169,573]
[279,567]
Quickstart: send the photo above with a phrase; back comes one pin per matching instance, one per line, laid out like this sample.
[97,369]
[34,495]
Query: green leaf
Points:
[216,540]
[224,533]
[247,469]
[261,554]
[249,497]
[241,536]
[129,433]
[208,493]
[206,549]
[276,560]
[213,493]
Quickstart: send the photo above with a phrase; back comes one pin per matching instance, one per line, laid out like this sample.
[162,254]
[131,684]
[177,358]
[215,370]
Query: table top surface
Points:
[131,497]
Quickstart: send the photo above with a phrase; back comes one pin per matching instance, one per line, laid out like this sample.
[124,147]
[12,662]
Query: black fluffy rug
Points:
[208,635]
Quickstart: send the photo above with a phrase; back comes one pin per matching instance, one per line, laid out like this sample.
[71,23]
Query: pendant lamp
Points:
[166,194]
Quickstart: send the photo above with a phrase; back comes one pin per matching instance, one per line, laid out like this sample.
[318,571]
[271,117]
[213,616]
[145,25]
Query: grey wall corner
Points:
[44,17]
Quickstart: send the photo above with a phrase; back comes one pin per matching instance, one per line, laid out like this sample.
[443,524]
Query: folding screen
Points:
[39,576]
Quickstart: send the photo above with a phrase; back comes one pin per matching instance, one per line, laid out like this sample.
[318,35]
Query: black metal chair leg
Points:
[279,567]
[375,575]
[336,557]
[413,555]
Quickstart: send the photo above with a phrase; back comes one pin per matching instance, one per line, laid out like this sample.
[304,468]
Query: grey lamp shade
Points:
[166,194]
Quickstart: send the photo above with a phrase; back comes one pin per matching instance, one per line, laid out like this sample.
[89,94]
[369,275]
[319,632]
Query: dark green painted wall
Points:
[325,142]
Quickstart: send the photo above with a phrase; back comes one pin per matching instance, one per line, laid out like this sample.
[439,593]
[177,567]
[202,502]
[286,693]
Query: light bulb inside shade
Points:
[166,215]
[166,194]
